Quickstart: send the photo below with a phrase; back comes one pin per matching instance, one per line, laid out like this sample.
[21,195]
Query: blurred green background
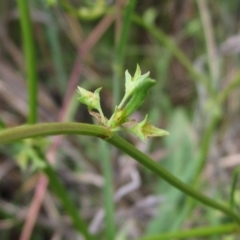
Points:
[191,49]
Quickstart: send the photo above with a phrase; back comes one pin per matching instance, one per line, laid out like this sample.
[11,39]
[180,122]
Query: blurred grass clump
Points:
[48,48]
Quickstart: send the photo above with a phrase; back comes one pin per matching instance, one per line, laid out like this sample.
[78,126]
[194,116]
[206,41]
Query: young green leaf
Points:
[140,93]
[144,130]
[92,100]
[132,83]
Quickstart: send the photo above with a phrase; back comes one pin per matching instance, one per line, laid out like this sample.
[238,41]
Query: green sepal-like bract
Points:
[139,95]
[132,83]
[92,100]
[135,84]
[144,130]
[26,154]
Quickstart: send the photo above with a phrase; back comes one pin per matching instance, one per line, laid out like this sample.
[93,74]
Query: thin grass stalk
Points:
[233,187]
[30,58]
[176,51]
[106,166]
[55,48]
[205,146]
[233,85]
[121,49]
[67,203]
[105,162]
[197,232]
[213,60]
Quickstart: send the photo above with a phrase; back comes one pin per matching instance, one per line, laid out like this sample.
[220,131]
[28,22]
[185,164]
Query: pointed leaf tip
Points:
[144,130]
[92,100]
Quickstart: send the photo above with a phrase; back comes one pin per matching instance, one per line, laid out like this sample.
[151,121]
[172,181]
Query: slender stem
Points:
[205,146]
[228,90]
[55,48]
[67,203]
[126,96]
[121,49]
[147,162]
[213,60]
[50,129]
[233,187]
[106,166]
[107,190]
[30,58]
[109,124]
[198,232]
[102,116]
[177,52]
[47,129]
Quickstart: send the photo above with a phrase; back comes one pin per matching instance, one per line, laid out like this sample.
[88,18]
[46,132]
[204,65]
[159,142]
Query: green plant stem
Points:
[227,91]
[67,203]
[107,190]
[205,146]
[198,232]
[167,176]
[118,63]
[233,187]
[50,129]
[47,129]
[120,50]
[208,30]
[177,52]
[30,58]
[55,48]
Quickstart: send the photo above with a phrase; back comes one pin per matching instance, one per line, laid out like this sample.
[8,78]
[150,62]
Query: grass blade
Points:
[30,58]
[233,187]
[67,203]
[121,48]
[107,190]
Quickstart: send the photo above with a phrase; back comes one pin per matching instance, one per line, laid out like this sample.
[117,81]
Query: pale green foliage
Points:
[144,130]
[97,9]
[136,89]
[27,157]
[51,3]
[92,100]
